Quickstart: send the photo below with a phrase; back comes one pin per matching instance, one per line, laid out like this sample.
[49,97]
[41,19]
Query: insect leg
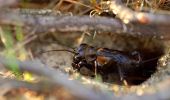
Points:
[120,73]
[122,76]
[95,70]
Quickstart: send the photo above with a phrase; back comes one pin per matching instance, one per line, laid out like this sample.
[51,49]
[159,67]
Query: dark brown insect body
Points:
[112,65]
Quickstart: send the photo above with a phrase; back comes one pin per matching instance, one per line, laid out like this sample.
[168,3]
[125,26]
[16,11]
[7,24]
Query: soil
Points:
[62,60]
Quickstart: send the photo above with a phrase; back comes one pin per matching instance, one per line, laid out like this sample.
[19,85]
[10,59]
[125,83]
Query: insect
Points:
[105,61]
[113,65]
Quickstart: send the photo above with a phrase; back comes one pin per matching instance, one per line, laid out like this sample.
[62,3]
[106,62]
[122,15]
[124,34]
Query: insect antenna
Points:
[73,52]
[152,59]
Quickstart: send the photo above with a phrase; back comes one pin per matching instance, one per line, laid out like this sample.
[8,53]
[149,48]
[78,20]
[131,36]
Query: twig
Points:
[61,23]
[58,78]
[50,23]
[127,15]
[43,86]
[8,84]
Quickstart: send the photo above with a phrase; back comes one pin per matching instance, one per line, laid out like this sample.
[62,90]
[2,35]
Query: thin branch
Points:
[58,78]
[9,84]
[62,23]
[43,86]
[127,15]
[51,23]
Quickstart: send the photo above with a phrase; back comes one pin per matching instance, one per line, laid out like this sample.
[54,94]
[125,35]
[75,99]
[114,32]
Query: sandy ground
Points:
[62,60]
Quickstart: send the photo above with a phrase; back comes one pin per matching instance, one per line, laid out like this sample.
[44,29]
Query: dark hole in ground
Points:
[146,68]
[150,50]
[135,75]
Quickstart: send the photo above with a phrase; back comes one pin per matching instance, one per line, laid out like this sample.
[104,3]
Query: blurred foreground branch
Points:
[8,84]
[51,23]
[75,88]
